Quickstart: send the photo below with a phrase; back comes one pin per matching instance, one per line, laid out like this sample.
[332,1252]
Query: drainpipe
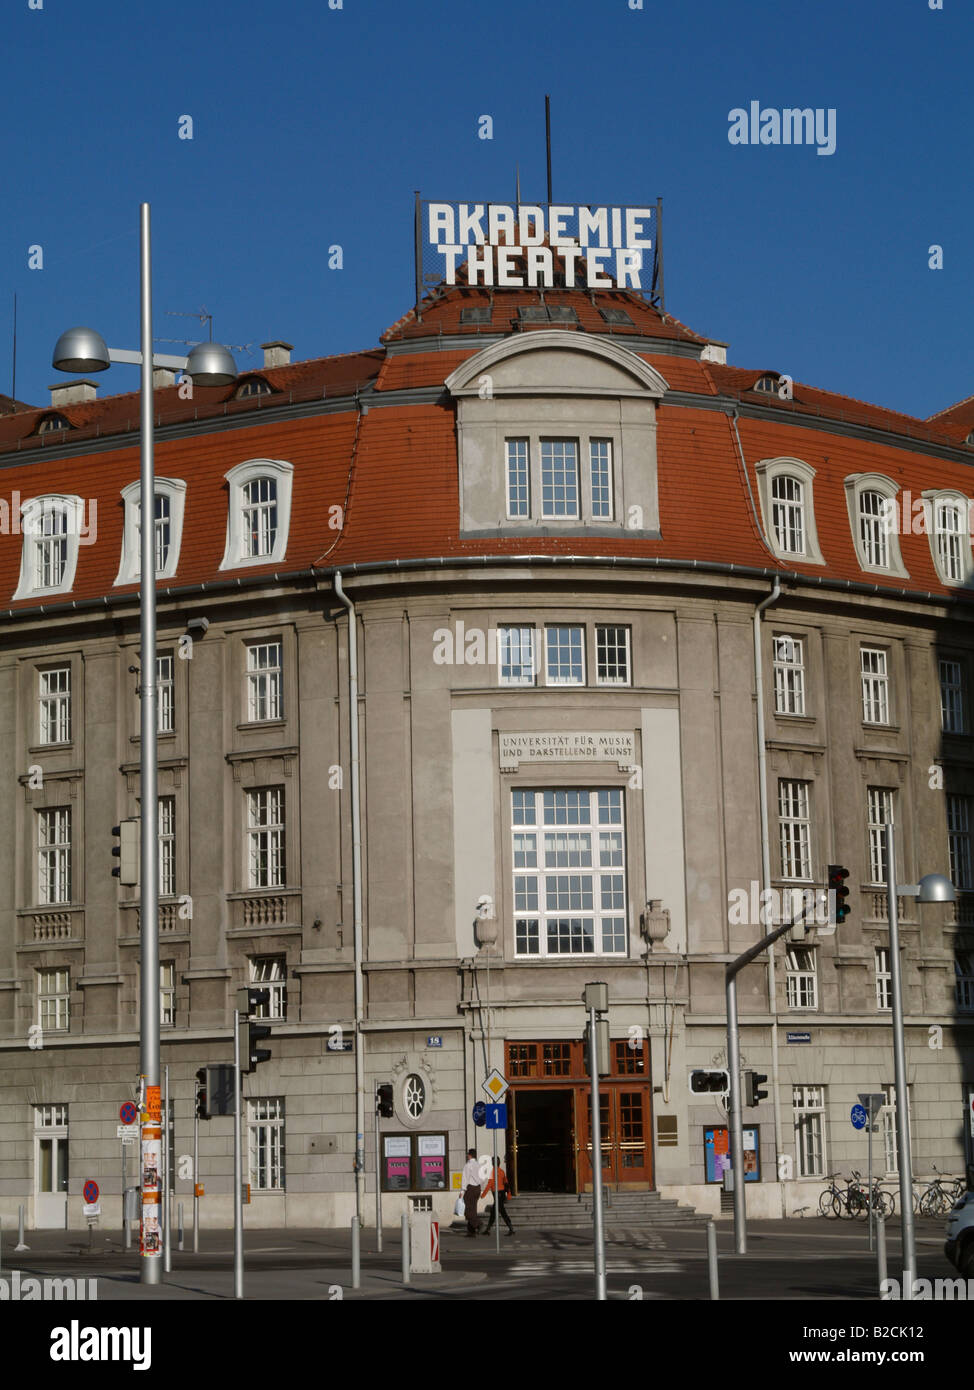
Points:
[766,853]
[356,898]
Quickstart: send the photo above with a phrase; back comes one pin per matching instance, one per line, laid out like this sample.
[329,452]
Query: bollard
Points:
[179,1213]
[20,1229]
[881,1253]
[405,1249]
[712,1259]
[356,1255]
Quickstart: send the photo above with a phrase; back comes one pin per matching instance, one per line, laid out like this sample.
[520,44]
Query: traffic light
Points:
[252,1034]
[201,1111]
[704,1083]
[753,1096]
[601,1047]
[838,892]
[126,851]
[384,1107]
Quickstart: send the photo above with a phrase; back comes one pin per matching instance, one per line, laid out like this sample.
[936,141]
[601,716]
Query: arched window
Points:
[254,386]
[767,384]
[788,513]
[50,423]
[947,516]
[873,528]
[52,528]
[170,499]
[259,514]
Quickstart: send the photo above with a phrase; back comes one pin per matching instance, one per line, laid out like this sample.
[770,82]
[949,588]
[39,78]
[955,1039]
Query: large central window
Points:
[559,477]
[569,859]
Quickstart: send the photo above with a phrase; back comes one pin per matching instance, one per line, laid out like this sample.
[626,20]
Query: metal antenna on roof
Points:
[203,317]
[13,381]
[547,141]
[517,187]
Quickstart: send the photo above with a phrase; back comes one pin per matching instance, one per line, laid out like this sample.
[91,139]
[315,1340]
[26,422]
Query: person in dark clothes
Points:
[470,1182]
[497,1183]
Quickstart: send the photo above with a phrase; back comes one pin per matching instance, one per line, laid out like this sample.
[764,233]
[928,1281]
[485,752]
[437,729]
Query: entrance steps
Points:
[567,1211]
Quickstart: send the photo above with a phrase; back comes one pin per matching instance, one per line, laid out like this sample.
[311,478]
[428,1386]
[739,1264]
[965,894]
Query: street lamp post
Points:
[932,888]
[209,364]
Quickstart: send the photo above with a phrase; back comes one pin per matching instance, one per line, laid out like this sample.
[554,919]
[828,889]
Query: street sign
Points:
[858,1117]
[127,1133]
[90,1192]
[434,1040]
[496,1085]
[497,1117]
[798,1037]
[128,1113]
[91,1209]
[479,1112]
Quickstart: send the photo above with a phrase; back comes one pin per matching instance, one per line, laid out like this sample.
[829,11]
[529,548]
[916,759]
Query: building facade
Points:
[604,589]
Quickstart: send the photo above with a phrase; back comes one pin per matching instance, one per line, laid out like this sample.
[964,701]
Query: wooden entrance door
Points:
[627,1151]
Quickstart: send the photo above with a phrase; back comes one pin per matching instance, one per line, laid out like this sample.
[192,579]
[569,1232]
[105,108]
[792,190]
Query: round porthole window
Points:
[414,1096]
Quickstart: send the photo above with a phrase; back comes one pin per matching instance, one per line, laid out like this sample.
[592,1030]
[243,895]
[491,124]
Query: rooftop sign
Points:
[533,246]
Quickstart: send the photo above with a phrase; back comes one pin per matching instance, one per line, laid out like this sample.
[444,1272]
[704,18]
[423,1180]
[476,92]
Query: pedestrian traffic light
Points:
[753,1096]
[126,852]
[251,1034]
[384,1107]
[201,1111]
[704,1083]
[838,892]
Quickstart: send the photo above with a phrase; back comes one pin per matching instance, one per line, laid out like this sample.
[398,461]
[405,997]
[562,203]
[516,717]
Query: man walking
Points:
[497,1183]
[470,1181]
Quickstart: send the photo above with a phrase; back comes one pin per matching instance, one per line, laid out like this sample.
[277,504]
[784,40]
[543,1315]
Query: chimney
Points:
[162,376]
[71,392]
[277,354]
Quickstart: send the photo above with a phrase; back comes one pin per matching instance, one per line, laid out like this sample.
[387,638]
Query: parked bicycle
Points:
[859,1202]
[939,1196]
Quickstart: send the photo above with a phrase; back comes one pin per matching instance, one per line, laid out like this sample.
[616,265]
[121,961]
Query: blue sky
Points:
[313,126]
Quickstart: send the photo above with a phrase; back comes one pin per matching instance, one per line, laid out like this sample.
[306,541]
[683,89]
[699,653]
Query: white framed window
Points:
[795,829]
[414,1095]
[612,663]
[964,986]
[789,674]
[871,499]
[518,478]
[600,465]
[265,680]
[565,654]
[50,1117]
[169,505]
[270,972]
[801,979]
[253,386]
[569,861]
[786,493]
[767,383]
[879,814]
[874,674]
[516,663]
[559,478]
[808,1103]
[259,515]
[887,1117]
[167,846]
[265,1144]
[959,839]
[52,528]
[267,863]
[53,1001]
[54,687]
[884,979]
[952,701]
[165,692]
[54,855]
[167,993]
[947,515]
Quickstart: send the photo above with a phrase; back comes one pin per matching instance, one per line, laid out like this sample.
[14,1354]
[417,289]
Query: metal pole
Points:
[151,1261]
[238,1261]
[593,1066]
[736,1129]
[497,1201]
[179,1212]
[378,1176]
[356,1255]
[125,1225]
[869,1187]
[881,1253]
[712,1259]
[167,1181]
[404,1226]
[899,1070]
[547,141]
[20,1229]
[196,1173]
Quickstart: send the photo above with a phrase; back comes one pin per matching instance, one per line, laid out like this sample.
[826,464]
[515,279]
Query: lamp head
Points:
[936,888]
[81,350]
[211,364]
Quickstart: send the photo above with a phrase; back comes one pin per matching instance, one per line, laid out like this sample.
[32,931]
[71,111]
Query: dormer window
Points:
[787,502]
[254,386]
[617,316]
[873,512]
[260,512]
[767,383]
[52,528]
[948,523]
[475,313]
[970,438]
[170,498]
[50,423]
